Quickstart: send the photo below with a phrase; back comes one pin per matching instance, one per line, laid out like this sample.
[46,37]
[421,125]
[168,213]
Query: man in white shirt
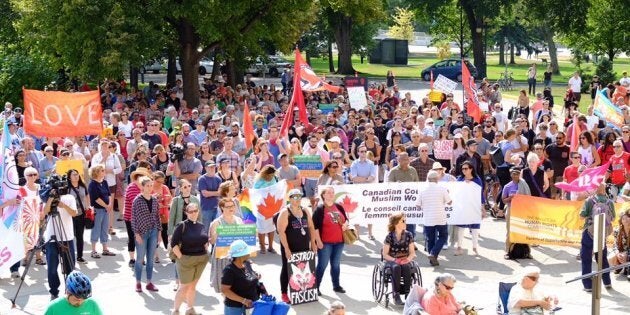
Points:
[625,80]
[524,294]
[433,201]
[575,83]
[500,117]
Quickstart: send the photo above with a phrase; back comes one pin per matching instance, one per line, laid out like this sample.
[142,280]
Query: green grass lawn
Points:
[417,63]
[558,98]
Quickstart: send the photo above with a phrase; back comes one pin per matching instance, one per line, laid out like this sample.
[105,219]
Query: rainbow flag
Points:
[246,207]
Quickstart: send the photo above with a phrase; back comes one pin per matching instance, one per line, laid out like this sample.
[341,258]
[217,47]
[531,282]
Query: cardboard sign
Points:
[357,98]
[302,281]
[326,108]
[62,167]
[62,114]
[443,149]
[353,81]
[226,234]
[310,166]
[444,84]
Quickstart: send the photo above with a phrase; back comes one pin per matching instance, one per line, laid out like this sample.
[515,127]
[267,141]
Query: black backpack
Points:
[519,251]
[497,155]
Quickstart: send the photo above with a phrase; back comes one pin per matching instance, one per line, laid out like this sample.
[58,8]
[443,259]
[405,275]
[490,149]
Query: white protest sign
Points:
[443,149]
[444,84]
[375,203]
[357,98]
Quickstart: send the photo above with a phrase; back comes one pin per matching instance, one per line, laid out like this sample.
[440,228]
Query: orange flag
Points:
[62,114]
[470,90]
[575,134]
[248,128]
[297,99]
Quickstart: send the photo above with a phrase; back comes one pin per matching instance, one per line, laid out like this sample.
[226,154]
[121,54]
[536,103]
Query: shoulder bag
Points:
[89,213]
[350,235]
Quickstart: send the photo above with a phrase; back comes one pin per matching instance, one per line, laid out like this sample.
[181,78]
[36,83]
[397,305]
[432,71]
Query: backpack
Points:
[598,208]
[519,251]
[497,155]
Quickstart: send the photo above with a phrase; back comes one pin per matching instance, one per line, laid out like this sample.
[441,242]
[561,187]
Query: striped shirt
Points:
[133,190]
[145,215]
[432,200]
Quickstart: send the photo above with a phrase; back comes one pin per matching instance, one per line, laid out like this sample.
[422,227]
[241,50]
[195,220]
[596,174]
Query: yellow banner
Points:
[535,220]
[63,166]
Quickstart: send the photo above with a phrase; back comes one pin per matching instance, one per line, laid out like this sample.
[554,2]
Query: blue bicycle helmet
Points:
[79,285]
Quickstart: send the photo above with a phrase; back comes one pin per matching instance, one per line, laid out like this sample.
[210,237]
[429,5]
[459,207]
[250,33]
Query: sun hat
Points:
[238,248]
[140,171]
[294,192]
[437,166]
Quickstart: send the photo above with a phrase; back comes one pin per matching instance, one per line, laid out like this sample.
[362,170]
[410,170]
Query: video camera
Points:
[55,187]
[177,152]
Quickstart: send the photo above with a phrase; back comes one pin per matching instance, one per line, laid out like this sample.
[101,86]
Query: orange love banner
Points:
[62,114]
[535,220]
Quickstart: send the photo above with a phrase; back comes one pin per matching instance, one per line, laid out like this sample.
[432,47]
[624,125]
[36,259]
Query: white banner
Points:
[444,84]
[374,203]
[357,98]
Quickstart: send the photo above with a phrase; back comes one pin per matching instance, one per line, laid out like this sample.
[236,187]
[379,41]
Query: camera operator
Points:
[59,236]
[189,167]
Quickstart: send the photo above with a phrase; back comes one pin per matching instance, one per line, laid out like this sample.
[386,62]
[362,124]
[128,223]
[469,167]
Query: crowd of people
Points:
[172,173]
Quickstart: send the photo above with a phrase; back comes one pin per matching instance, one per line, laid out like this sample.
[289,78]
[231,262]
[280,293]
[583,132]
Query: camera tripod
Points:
[63,250]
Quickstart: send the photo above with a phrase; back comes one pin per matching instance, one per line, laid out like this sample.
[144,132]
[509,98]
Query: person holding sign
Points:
[399,252]
[296,230]
[227,217]
[190,246]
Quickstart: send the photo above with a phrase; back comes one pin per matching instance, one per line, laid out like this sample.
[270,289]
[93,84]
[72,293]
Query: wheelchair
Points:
[382,278]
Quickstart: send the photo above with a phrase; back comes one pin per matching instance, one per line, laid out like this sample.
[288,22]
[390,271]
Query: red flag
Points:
[297,99]
[470,90]
[309,81]
[431,84]
[248,128]
[575,134]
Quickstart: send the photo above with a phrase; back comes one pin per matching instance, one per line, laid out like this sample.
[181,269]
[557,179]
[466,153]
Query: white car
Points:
[205,66]
[154,65]
[274,67]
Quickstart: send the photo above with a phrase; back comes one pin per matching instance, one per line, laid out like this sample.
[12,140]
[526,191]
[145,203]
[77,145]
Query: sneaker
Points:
[339,290]
[151,287]
[433,261]
[138,287]
[157,260]
[81,260]
[588,289]
[285,298]
[95,255]
[397,300]
[132,263]
[319,293]
[608,286]
[15,274]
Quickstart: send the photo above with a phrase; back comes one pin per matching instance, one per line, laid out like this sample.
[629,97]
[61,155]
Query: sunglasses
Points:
[31,175]
[192,211]
[447,287]
[533,278]
[186,186]
[296,197]
[576,157]
[334,166]
[465,168]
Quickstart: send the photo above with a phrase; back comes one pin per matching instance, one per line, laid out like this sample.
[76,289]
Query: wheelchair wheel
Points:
[378,282]
[416,275]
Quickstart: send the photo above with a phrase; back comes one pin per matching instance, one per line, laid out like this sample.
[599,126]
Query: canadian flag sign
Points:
[269,200]
[589,180]
[62,114]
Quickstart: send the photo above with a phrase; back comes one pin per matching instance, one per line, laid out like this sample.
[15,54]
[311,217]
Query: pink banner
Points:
[590,179]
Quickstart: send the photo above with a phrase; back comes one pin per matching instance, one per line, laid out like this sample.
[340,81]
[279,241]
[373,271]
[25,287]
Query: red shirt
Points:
[619,166]
[331,226]
[571,173]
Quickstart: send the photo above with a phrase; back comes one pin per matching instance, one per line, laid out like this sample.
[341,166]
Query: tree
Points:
[403,24]
[444,26]
[342,15]
[605,32]
[32,71]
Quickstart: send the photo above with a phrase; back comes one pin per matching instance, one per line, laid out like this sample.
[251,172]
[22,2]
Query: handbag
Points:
[350,236]
[171,254]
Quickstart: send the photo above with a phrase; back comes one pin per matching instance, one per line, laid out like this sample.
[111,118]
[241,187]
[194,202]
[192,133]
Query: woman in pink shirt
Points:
[440,300]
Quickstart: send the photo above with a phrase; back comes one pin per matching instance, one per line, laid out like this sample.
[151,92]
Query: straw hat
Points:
[140,171]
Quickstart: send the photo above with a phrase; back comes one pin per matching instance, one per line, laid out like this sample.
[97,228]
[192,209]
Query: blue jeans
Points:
[101,226]
[148,246]
[228,310]
[586,256]
[207,216]
[412,228]
[330,253]
[437,236]
[52,261]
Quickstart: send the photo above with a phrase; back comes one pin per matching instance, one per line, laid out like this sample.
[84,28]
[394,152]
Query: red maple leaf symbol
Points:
[348,204]
[270,206]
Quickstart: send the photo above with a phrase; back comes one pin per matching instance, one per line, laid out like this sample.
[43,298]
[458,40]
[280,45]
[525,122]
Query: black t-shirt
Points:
[192,239]
[547,75]
[243,282]
[152,139]
[559,157]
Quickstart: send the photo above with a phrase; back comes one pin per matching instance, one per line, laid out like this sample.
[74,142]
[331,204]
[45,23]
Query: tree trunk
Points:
[171,69]
[502,52]
[308,57]
[343,30]
[548,34]
[512,54]
[234,75]
[216,69]
[611,55]
[189,60]
[133,77]
[331,62]
[477,39]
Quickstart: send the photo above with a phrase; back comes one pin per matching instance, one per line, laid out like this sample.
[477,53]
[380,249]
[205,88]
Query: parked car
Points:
[205,66]
[154,65]
[274,67]
[450,68]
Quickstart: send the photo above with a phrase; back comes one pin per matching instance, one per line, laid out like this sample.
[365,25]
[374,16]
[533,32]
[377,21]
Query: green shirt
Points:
[587,209]
[399,175]
[61,306]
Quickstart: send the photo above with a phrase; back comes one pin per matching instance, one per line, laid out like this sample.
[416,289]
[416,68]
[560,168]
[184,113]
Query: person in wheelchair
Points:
[399,253]
[525,296]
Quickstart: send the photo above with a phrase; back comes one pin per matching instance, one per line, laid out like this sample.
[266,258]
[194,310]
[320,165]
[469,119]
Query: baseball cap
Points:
[211,163]
[294,192]
[471,142]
